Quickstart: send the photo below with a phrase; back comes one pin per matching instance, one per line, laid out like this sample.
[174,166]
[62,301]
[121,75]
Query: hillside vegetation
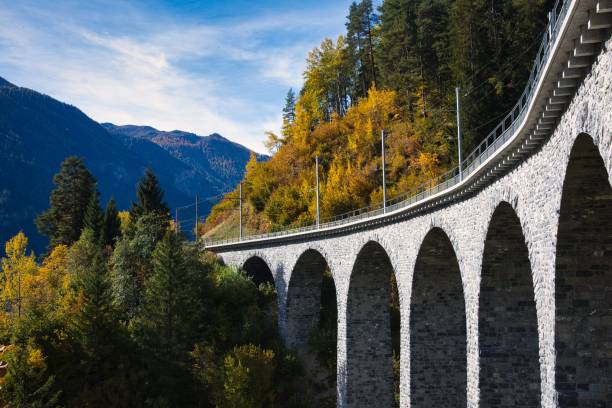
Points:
[395,69]
[122,312]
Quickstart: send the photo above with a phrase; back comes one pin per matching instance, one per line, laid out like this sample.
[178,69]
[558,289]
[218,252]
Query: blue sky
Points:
[200,66]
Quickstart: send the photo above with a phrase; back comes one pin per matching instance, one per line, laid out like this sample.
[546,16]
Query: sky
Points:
[199,66]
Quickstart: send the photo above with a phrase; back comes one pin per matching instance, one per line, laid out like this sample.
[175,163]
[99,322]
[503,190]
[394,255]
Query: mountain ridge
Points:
[37,132]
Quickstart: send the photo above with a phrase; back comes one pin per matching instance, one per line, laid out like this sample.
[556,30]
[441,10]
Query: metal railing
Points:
[487,148]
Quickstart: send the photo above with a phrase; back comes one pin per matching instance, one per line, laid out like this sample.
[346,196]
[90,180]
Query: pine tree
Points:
[95,327]
[169,299]
[150,197]
[63,221]
[361,42]
[111,225]
[288,113]
[27,383]
[398,59]
[94,217]
[131,262]
[327,85]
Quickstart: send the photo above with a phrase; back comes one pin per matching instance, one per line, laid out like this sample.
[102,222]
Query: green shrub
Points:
[248,378]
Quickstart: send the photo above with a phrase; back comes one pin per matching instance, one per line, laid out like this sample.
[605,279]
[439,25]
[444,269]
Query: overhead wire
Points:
[490,121]
[512,61]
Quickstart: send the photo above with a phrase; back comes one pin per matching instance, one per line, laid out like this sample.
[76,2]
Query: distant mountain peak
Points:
[141,131]
[37,132]
[4,82]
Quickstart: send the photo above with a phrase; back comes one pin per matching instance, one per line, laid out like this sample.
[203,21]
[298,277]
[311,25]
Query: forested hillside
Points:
[395,69]
[122,312]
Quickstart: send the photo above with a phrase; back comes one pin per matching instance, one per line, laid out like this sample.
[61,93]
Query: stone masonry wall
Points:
[533,191]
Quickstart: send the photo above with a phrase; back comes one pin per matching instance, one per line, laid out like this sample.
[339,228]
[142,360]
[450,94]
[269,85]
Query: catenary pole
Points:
[317,189]
[384,181]
[240,218]
[196,219]
[457,97]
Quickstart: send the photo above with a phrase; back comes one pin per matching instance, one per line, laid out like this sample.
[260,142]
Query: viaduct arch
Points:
[258,270]
[369,340]
[508,327]
[583,285]
[438,359]
[304,297]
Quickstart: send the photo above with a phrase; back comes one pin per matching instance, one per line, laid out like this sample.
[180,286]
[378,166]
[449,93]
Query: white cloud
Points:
[170,78]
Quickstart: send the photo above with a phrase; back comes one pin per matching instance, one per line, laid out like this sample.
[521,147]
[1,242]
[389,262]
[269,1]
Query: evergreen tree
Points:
[492,48]
[150,197]
[327,85]
[95,327]
[360,40]
[397,56]
[413,52]
[63,221]
[111,225]
[170,301]
[288,113]
[94,217]
[124,275]
[131,262]
[27,383]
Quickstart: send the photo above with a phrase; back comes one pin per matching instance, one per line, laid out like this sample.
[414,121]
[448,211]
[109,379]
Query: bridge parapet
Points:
[575,34]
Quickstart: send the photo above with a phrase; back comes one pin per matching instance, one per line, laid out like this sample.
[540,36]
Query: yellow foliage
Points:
[248,378]
[19,279]
[36,359]
[53,269]
[281,190]
[56,282]
[26,285]
[428,163]
[124,218]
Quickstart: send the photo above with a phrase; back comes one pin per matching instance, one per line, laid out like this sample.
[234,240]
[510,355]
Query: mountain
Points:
[38,132]
[218,161]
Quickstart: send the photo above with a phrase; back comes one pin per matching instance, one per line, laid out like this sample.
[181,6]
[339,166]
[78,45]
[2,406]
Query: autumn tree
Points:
[248,374]
[27,383]
[326,86]
[19,271]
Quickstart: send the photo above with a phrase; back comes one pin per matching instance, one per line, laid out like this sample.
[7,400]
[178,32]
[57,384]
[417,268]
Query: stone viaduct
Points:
[504,277]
